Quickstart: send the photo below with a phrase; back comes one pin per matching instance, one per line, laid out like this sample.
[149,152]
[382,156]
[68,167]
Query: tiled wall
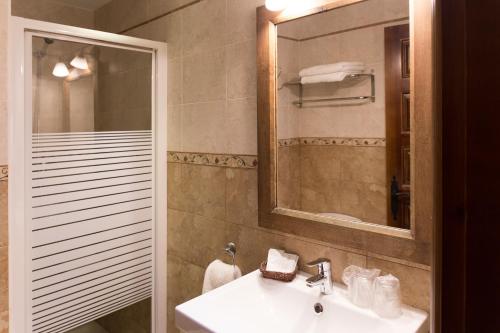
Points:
[123,90]
[341,178]
[212,109]
[53,11]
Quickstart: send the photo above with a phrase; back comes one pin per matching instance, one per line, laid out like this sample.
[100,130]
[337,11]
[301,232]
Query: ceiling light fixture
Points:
[276,5]
[79,62]
[60,70]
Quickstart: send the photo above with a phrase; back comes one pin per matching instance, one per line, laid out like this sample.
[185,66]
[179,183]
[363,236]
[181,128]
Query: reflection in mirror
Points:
[343,113]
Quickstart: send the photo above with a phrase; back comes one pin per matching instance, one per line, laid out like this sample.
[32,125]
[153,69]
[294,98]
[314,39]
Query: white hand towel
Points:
[219,273]
[280,261]
[332,77]
[332,68]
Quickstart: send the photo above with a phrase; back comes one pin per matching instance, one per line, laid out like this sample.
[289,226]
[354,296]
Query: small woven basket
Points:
[285,277]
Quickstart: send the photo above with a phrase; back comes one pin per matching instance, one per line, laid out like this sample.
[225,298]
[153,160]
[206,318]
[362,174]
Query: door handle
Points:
[395,195]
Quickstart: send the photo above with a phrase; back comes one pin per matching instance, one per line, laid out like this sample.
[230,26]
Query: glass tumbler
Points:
[359,283]
[387,296]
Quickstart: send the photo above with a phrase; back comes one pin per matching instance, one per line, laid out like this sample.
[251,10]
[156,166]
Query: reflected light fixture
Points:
[79,62]
[73,75]
[276,5]
[60,70]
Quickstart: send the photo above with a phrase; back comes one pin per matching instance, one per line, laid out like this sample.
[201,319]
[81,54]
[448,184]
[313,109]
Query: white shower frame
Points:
[20,121]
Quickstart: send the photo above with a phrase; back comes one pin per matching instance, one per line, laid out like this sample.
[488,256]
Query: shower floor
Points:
[91,327]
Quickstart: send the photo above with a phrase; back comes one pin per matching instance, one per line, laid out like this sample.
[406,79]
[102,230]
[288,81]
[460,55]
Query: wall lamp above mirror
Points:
[346,121]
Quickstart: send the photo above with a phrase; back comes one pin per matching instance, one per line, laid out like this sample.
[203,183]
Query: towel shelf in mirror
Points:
[370,98]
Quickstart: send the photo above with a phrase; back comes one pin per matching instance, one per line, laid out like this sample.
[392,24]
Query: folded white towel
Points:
[332,68]
[280,261]
[331,77]
[219,273]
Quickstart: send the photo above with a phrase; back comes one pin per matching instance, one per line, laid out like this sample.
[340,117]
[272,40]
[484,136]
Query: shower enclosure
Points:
[88,186]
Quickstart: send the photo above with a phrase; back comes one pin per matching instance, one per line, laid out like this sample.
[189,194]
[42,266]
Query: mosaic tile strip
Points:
[289,142]
[4,173]
[365,142]
[221,160]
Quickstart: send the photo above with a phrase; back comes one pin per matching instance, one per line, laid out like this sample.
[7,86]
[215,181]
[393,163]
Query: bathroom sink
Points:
[254,304]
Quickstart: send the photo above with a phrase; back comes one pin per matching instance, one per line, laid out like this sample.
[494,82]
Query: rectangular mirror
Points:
[343,114]
[345,111]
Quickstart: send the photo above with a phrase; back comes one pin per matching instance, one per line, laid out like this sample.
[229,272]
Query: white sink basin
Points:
[253,304]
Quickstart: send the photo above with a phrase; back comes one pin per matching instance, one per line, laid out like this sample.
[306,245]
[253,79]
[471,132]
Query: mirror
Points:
[343,114]
[331,139]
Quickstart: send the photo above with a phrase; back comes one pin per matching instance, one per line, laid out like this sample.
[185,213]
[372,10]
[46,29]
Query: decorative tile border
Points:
[4,173]
[289,142]
[221,160]
[364,142]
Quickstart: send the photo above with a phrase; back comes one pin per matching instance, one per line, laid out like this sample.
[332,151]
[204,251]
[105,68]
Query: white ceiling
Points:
[85,4]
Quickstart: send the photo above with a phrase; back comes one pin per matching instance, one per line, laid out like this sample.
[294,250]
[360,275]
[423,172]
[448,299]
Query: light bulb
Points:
[79,62]
[60,70]
[276,5]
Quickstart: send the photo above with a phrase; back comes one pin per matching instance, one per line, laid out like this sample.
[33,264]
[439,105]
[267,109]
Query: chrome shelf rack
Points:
[370,98]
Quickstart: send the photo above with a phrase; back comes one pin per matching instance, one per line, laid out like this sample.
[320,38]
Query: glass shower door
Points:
[92,192]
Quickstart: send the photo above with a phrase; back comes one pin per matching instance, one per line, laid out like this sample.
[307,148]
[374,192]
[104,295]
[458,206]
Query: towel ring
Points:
[231,250]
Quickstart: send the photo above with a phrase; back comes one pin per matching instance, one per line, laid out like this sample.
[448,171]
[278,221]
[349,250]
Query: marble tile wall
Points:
[53,11]
[344,179]
[212,112]
[123,90]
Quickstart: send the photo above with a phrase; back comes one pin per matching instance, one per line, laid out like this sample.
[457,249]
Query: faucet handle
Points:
[323,264]
[318,262]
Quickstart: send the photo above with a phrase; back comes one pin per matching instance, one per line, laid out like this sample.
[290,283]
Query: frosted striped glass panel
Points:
[91,225]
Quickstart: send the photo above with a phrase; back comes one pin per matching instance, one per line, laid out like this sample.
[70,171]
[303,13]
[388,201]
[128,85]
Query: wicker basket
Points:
[285,277]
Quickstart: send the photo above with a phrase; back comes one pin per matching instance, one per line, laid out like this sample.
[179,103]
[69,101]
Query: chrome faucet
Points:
[324,277]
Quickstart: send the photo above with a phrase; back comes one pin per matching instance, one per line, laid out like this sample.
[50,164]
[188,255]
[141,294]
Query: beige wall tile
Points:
[53,11]
[174,91]
[185,281]
[415,282]
[195,238]
[174,186]
[120,15]
[174,133]
[204,26]
[363,164]
[197,189]
[365,201]
[343,121]
[241,74]
[156,30]
[203,127]
[159,7]
[174,35]
[241,126]
[289,187]
[242,197]
[241,18]
[204,77]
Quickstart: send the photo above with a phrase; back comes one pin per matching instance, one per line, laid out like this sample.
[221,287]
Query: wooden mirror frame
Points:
[412,245]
